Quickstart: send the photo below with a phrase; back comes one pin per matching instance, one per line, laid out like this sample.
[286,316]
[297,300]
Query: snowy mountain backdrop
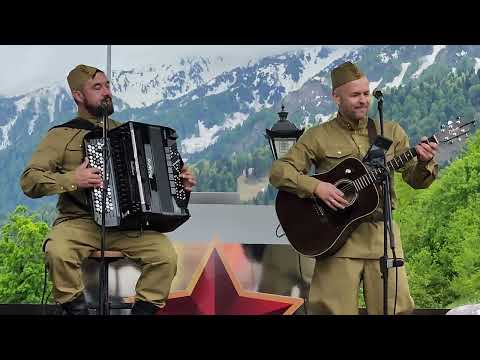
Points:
[219,110]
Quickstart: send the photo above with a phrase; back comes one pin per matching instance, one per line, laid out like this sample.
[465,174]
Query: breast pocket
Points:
[334,156]
[74,155]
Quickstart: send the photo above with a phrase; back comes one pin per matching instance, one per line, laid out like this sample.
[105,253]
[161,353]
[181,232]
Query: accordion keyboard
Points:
[94,152]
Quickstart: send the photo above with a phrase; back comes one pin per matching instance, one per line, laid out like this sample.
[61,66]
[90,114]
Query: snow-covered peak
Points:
[428,60]
[397,80]
[208,136]
[148,84]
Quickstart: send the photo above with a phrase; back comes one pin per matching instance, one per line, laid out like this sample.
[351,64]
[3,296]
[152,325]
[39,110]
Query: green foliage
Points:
[440,229]
[474,93]
[222,174]
[21,258]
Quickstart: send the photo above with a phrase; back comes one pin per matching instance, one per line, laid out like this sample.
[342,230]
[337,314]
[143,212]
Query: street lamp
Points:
[283,135]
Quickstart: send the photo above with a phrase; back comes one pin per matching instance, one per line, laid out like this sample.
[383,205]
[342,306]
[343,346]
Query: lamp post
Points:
[282,135]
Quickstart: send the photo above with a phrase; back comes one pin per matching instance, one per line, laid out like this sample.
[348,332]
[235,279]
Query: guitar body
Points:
[312,227]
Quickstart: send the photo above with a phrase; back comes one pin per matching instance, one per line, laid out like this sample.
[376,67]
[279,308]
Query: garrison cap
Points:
[345,73]
[78,76]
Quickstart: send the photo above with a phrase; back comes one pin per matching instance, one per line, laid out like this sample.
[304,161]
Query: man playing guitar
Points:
[336,279]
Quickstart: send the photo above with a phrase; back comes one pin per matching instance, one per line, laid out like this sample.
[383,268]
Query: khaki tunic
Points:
[330,143]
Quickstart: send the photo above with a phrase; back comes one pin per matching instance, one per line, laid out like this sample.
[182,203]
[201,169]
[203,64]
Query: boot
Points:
[144,308]
[78,306]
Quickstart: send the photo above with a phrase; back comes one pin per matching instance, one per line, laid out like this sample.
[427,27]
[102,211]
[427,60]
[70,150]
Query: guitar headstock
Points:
[453,130]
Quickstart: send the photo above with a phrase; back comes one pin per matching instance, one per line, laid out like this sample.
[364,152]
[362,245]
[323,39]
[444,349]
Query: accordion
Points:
[144,189]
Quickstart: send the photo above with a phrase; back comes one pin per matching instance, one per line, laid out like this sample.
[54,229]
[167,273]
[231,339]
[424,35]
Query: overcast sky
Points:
[24,68]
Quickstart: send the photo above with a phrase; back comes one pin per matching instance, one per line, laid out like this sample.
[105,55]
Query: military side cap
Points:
[345,73]
[78,76]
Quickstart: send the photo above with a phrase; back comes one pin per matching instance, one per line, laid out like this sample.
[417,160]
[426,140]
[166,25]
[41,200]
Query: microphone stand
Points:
[103,292]
[385,262]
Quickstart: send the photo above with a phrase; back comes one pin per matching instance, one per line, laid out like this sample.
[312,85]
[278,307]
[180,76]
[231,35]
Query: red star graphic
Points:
[214,290]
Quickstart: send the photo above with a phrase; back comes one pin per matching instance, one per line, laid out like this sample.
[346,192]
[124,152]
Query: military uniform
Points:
[75,235]
[335,282]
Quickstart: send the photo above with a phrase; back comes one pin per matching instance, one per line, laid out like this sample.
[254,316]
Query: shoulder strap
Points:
[372,131]
[77,123]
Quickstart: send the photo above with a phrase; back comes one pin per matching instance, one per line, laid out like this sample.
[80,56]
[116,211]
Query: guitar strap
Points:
[372,131]
[372,135]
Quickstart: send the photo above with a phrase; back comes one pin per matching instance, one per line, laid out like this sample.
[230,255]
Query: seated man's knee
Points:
[58,251]
[162,251]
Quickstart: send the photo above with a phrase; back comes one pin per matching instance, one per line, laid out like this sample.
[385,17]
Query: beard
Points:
[98,110]
[354,114]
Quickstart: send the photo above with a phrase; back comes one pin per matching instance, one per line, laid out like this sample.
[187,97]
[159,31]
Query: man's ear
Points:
[78,96]
[335,97]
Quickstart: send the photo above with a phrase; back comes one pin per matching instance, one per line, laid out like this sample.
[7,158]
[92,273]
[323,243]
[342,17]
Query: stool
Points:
[109,257]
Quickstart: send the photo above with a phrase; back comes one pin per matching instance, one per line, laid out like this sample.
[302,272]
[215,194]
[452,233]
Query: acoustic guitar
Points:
[315,230]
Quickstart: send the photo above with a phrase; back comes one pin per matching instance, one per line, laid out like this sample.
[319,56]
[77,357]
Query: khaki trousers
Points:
[71,241]
[335,287]
[283,269]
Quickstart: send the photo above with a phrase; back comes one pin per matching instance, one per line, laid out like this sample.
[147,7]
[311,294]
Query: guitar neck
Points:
[396,163]
[399,161]
[374,176]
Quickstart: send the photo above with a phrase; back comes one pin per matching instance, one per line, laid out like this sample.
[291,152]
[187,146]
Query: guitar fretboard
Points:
[374,176]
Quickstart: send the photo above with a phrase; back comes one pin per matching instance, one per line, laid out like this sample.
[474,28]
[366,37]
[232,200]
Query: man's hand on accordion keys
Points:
[87,177]
[189,180]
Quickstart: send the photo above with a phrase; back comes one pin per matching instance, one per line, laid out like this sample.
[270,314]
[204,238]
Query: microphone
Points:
[104,106]
[378,94]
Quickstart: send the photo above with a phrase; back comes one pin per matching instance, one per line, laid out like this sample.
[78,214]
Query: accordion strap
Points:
[77,123]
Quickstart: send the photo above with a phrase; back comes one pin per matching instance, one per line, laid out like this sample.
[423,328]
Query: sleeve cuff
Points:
[66,182]
[428,168]
[307,184]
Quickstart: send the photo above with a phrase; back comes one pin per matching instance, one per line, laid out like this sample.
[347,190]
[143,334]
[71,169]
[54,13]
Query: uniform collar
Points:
[87,116]
[349,124]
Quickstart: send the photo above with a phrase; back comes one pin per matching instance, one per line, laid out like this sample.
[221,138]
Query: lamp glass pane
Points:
[282,145]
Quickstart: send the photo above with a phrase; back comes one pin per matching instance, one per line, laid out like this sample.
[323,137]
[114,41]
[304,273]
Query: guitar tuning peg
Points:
[466,135]
[450,122]
[459,139]
[443,126]
[450,142]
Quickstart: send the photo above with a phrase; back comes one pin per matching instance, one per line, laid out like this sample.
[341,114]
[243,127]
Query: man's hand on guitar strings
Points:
[330,195]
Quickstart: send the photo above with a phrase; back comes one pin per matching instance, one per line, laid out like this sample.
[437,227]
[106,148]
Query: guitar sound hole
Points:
[346,186]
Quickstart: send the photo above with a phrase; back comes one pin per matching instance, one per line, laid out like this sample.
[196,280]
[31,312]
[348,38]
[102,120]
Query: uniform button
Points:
[61,187]
[73,186]
[339,153]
